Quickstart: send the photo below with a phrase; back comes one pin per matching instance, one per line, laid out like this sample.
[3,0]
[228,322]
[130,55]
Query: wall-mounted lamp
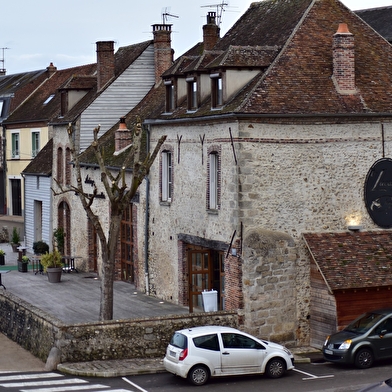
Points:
[354,227]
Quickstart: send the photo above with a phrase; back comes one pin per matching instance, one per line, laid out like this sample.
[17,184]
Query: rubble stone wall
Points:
[38,332]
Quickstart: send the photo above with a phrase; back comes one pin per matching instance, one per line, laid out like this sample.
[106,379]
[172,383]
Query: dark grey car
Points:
[367,339]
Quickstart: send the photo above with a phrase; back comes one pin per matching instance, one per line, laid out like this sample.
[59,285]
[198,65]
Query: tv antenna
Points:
[220,8]
[2,61]
[166,14]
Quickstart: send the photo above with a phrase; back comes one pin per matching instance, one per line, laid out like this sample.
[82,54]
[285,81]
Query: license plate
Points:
[172,353]
[329,352]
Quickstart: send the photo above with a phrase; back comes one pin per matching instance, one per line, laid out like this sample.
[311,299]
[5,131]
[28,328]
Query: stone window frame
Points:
[213,188]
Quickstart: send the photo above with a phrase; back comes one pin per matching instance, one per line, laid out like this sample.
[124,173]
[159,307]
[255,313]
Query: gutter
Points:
[240,116]
[147,221]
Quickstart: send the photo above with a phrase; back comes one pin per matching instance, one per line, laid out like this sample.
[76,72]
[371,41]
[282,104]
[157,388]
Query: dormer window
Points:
[192,93]
[170,96]
[216,90]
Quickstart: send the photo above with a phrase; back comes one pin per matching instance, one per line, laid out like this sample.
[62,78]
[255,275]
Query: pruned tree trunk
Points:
[119,194]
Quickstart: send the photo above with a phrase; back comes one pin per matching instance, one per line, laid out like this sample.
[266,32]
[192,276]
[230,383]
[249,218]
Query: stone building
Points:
[272,131]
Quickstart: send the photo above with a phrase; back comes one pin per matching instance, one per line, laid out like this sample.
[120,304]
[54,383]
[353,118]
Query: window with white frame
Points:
[192,93]
[166,176]
[170,96]
[216,90]
[213,181]
[15,145]
[35,143]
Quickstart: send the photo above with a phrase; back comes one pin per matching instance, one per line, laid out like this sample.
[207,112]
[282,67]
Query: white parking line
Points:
[312,376]
[136,386]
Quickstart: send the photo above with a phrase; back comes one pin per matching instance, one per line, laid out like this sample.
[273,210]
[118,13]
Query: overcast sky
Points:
[65,31]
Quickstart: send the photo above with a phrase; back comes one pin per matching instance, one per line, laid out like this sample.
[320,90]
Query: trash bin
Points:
[210,300]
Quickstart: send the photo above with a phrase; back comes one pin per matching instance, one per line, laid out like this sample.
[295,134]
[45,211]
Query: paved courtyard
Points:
[76,298]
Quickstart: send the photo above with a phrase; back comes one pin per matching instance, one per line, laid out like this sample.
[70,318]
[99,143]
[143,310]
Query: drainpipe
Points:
[4,158]
[147,220]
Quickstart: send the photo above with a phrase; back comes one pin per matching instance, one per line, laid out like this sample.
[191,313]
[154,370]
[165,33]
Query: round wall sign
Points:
[378,193]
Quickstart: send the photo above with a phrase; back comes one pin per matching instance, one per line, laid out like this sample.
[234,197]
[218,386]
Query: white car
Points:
[202,352]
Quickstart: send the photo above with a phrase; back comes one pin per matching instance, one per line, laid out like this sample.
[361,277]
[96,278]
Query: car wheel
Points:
[364,358]
[198,375]
[275,368]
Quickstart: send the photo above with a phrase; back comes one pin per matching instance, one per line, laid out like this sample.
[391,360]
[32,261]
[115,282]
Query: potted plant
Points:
[53,266]
[15,239]
[40,247]
[2,257]
[23,264]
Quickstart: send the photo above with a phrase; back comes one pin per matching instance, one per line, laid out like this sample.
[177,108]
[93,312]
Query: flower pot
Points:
[22,267]
[15,247]
[54,274]
[2,260]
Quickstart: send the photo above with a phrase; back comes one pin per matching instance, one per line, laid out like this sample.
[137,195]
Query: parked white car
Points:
[202,352]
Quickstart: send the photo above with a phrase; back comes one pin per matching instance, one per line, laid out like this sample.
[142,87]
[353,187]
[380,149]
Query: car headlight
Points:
[326,341]
[345,345]
[287,351]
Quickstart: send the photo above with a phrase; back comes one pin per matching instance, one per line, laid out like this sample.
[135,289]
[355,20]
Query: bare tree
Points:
[119,194]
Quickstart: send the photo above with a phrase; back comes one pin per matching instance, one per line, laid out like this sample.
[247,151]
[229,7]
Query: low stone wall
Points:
[38,332]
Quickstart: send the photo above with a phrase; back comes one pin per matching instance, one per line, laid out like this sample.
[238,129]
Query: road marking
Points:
[133,384]
[42,383]
[62,389]
[29,376]
[312,376]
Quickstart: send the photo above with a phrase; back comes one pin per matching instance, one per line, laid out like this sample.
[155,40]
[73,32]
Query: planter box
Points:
[22,267]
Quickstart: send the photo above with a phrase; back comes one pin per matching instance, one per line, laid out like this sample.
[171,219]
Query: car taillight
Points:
[183,354]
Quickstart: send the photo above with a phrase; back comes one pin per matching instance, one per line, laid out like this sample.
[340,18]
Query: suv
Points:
[366,339]
[212,351]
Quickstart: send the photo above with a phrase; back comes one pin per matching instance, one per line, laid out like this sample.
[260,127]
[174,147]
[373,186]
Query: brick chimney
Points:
[105,62]
[51,70]
[123,136]
[210,31]
[163,53]
[343,50]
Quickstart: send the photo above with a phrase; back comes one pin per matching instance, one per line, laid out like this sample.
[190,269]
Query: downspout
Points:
[147,219]
[4,157]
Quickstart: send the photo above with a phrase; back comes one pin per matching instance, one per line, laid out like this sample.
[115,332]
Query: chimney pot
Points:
[123,136]
[343,29]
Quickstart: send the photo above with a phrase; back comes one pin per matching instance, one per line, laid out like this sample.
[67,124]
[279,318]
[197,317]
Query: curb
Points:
[126,367]
[113,368]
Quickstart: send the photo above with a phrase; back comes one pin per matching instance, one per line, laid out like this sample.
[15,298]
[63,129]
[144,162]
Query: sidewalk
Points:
[84,288]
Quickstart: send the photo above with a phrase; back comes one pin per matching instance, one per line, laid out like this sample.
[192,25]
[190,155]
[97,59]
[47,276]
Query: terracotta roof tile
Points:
[297,78]
[353,259]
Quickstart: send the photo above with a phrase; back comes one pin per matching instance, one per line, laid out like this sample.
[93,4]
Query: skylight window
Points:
[49,99]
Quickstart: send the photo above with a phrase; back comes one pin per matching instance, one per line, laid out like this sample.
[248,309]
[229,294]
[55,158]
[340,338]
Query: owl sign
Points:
[378,193]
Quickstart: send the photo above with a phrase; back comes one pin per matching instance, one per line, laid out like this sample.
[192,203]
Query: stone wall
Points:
[38,332]
[269,285]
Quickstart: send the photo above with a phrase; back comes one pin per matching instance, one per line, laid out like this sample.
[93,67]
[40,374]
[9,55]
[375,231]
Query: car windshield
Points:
[363,323]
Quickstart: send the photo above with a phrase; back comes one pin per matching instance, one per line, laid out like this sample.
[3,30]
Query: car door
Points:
[381,339]
[241,354]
